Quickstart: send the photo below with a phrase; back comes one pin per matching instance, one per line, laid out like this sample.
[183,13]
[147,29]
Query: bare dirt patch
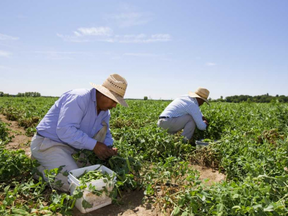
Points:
[212,175]
[132,206]
[19,140]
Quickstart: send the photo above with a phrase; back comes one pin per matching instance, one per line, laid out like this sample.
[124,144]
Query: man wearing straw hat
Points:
[79,119]
[184,113]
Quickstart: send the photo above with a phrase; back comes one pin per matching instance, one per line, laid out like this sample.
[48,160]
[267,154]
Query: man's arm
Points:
[108,138]
[70,117]
[196,114]
[103,148]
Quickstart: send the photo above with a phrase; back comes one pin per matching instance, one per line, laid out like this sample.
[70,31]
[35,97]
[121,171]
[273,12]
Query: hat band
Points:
[114,88]
[203,96]
[116,94]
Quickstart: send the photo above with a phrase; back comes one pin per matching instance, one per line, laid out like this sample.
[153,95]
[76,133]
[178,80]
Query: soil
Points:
[19,140]
[211,175]
[132,201]
[132,205]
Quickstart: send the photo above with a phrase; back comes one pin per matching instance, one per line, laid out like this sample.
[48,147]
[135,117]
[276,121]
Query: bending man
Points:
[184,113]
[72,122]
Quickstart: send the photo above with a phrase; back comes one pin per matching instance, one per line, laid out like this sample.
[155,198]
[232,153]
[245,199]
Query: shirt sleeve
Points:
[108,139]
[71,113]
[196,114]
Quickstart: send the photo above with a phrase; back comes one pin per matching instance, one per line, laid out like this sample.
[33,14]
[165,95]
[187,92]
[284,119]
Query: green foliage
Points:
[92,175]
[257,99]
[26,111]
[20,194]
[86,204]
[252,151]
[126,168]
[14,164]
[4,135]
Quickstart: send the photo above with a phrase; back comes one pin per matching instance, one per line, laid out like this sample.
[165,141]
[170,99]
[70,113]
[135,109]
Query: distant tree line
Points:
[230,99]
[257,99]
[26,94]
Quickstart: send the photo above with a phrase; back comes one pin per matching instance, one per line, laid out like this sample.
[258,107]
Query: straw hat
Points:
[201,93]
[113,87]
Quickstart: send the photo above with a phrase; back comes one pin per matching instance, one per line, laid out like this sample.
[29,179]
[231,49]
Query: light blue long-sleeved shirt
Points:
[73,120]
[185,105]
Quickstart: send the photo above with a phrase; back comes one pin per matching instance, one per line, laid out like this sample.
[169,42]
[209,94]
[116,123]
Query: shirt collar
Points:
[93,94]
[93,97]
[194,100]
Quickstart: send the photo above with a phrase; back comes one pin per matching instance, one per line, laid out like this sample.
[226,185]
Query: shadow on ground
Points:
[132,205]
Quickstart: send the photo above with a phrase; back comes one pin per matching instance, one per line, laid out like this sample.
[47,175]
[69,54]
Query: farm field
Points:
[252,153]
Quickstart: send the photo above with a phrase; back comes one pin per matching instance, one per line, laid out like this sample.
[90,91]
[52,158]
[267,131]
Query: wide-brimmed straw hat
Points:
[113,87]
[201,93]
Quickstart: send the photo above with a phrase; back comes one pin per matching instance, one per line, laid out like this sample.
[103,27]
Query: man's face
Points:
[200,101]
[106,103]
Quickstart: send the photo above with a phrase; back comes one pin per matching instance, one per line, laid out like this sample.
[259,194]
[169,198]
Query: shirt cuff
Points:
[203,126]
[90,144]
[109,142]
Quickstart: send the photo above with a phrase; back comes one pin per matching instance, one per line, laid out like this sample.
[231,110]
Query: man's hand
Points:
[103,152]
[205,121]
[115,150]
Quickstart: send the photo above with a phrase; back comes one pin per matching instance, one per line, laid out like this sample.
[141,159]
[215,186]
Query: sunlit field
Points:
[251,151]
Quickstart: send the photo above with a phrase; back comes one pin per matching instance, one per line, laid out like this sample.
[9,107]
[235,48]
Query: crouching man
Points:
[79,119]
[184,113]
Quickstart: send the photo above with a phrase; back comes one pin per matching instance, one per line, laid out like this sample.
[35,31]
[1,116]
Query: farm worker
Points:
[72,122]
[184,113]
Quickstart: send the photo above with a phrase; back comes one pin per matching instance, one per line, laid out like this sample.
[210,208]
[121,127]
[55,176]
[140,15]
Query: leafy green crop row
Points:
[251,150]
[4,135]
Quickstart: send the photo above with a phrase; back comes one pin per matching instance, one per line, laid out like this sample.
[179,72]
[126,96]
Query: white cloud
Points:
[161,37]
[162,57]
[7,37]
[99,31]
[142,38]
[130,19]
[105,34]
[56,52]
[59,55]
[88,34]
[76,39]
[5,54]
[210,64]
[141,54]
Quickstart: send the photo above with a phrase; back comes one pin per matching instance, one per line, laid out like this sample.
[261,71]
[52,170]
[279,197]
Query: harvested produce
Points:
[92,175]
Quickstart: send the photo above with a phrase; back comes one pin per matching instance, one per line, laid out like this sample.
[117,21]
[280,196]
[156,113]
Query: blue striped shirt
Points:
[73,120]
[185,105]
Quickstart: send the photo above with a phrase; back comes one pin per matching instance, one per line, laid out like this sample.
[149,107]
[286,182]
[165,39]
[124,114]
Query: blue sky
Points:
[163,48]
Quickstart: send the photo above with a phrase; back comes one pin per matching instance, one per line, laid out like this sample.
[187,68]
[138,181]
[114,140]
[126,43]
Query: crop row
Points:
[252,152]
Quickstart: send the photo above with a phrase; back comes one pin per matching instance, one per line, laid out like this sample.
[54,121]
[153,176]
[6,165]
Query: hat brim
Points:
[110,94]
[194,95]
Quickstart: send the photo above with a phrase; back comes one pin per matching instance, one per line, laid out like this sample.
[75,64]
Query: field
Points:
[252,152]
